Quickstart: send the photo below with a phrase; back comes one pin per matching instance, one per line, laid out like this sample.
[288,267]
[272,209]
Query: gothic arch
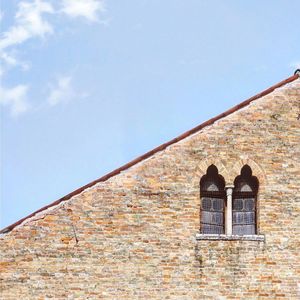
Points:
[212,160]
[229,168]
[256,169]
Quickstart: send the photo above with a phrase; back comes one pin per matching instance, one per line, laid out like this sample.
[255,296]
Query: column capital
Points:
[229,189]
[229,186]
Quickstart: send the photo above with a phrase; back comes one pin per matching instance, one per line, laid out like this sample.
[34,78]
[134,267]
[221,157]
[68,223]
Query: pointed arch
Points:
[255,167]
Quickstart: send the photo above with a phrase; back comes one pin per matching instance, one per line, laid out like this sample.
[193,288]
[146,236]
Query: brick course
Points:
[134,235]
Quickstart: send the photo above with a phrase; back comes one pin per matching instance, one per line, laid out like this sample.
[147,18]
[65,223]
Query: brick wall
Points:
[134,236]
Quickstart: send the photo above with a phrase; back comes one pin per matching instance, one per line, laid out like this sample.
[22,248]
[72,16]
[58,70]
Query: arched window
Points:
[244,203]
[212,202]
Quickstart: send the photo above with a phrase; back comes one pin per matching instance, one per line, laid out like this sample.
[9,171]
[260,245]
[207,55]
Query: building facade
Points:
[213,214]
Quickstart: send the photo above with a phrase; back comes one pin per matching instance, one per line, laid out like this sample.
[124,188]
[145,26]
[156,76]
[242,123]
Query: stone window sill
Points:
[225,237]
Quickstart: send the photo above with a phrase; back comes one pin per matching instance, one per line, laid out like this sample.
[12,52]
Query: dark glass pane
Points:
[237,204]
[249,218]
[206,217]
[206,203]
[243,229]
[237,218]
[211,229]
[212,217]
[249,204]
[217,218]
[218,204]
[243,218]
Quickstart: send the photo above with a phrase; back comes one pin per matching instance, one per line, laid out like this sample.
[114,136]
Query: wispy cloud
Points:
[88,9]
[15,98]
[13,61]
[62,91]
[29,23]
[295,64]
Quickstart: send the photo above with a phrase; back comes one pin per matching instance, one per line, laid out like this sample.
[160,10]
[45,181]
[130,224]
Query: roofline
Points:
[155,150]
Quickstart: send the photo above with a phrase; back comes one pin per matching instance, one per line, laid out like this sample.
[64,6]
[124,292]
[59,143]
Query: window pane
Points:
[212,217]
[211,229]
[237,218]
[217,218]
[237,204]
[206,203]
[249,204]
[249,218]
[243,218]
[218,204]
[243,229]
[206,217]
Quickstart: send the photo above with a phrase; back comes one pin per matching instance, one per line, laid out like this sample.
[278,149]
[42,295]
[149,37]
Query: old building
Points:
[212,214]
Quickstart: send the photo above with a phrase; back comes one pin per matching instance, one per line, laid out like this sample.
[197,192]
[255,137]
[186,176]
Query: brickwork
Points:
[134,235]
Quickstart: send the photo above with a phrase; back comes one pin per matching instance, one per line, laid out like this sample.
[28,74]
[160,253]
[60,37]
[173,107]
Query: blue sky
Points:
[88,85]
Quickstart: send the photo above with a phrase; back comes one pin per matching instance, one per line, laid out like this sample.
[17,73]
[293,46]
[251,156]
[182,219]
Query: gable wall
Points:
[133,236]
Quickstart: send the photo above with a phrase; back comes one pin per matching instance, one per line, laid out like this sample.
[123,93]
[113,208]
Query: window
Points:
[229,210]
[212,192]
[244,203]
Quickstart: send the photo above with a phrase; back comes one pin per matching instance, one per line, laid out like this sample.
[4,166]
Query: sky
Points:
[88,85]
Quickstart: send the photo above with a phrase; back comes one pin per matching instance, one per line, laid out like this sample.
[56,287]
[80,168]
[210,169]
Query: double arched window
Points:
[226,209]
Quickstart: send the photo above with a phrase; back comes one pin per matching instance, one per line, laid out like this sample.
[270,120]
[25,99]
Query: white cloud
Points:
[83,8]
[62,91]
[15,99]
[12,61]
[29,23]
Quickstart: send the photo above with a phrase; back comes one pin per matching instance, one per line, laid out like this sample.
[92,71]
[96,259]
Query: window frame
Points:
[246,178]
[230,193]
[212,176]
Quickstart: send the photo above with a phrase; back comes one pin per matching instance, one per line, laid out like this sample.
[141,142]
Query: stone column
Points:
[228,215]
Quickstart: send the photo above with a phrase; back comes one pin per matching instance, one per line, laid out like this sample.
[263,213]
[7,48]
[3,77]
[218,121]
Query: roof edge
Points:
[155,150]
